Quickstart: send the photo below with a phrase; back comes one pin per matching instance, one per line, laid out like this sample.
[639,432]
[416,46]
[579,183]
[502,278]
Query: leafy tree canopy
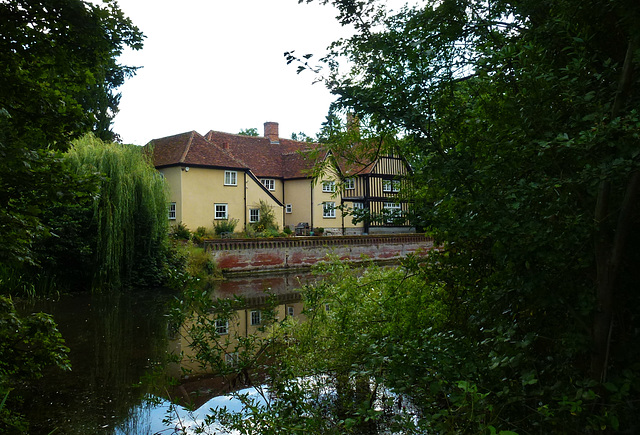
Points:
[58,81]
[249,132]
[521,122]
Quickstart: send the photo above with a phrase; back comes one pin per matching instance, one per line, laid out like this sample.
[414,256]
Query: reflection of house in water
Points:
[264,300]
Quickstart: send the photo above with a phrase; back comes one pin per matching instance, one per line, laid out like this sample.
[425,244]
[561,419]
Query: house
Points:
[222,176]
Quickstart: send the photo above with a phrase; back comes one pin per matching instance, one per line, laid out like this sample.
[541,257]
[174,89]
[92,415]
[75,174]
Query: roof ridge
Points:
[188,147]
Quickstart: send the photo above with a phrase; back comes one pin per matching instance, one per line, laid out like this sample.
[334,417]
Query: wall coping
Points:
[312,241]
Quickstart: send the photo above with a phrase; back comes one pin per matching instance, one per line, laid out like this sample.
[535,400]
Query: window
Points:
[328,186]
[269,183]
[221,211]
[395,185]
[289,208]
[290,311]
[256,317]
[231,359]
[222,326]
[254,215]
[358,206]
[329,209]
[230,178]
[386,185]
[172,210]
[350,184]
[392,210]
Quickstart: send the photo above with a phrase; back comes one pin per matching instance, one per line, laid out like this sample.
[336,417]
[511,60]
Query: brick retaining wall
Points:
[243,255]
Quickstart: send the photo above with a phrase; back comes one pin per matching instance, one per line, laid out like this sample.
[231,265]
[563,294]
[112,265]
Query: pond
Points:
[116,342]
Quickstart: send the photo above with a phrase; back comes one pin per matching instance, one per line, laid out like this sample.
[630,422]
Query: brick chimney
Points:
[271,132]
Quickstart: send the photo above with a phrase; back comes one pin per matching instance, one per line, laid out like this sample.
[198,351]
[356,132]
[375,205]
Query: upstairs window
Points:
[172,210]
[269,183]
[328,186]
[222,327]
[395,185]
[350,184]
[386,185]
[289,208]
[230,178]
[256,317]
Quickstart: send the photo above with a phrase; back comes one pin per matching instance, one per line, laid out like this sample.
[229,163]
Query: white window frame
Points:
[222,326]
[254,215]
[230,178]
[395,185]
[358,205]
[350,183]
[395,210]
[328,210]
[218,214]
[256,317]
[290,311]
[289,208]
[269,183]
[231,359]
[328,186]
[386,185]
[172,210]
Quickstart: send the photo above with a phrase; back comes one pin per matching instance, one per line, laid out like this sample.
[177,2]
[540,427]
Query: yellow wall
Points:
[298,194]
[197,190]
[256,193]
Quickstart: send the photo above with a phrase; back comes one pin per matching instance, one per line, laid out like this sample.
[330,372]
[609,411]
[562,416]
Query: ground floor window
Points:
[289,208]
[254,215]
[329,210]
[392,210]
[256,317]
[172,210]
[221,211]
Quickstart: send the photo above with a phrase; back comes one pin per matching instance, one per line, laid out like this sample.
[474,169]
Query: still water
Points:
[116,341]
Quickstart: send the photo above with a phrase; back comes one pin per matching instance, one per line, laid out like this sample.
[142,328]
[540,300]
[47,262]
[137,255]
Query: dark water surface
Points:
[116,341]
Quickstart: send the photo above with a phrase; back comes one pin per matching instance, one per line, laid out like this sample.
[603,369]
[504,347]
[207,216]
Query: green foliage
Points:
[28,345]
[179,231]
[58,81]
[129,217]
[249,132]
[267,222]
[225,226]
[521,122]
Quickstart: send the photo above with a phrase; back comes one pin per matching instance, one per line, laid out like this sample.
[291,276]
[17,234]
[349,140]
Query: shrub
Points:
[225,226]
[180,231]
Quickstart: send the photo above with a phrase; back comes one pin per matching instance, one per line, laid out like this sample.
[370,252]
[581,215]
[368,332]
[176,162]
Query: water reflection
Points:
[115,342]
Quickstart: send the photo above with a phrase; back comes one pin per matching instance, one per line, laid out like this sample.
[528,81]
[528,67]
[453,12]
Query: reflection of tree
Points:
[116,339]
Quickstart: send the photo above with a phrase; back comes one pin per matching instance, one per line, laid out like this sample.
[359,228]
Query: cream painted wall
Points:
[172,177]
[255,194]
[298,194]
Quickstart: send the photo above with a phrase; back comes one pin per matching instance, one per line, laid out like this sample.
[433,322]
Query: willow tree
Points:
[128,216]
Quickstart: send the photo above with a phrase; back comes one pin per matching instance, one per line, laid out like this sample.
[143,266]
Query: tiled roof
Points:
[285,159]
[191,148]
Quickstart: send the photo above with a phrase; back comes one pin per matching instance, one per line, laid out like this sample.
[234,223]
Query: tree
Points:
[521,121]
[58,81]
[126,225]
[249,132]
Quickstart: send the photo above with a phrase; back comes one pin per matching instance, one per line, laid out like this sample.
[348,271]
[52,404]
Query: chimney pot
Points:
[271,132]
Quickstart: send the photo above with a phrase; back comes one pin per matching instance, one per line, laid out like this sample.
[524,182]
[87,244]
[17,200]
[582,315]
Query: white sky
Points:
[219,65]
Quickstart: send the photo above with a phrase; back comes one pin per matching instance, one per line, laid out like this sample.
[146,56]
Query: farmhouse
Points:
[223,176]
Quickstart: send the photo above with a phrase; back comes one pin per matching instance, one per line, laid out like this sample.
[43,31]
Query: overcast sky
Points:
[219,65]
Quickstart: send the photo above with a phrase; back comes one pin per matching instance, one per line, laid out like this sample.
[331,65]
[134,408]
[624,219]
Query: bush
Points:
[180,231]
[225,226]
